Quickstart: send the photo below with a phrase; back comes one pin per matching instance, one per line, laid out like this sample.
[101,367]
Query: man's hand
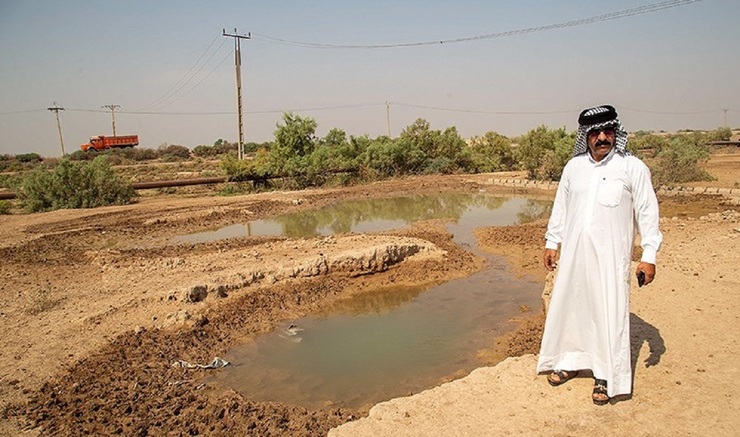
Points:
[551,259]
[648,269]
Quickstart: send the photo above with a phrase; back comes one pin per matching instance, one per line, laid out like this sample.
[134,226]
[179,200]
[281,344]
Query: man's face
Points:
[601,142]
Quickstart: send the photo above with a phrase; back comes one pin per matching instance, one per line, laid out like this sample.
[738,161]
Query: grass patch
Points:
[5,206]
[236,189]
[41,300]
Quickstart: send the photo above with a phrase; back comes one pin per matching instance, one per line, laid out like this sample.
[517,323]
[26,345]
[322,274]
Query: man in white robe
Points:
[604,197]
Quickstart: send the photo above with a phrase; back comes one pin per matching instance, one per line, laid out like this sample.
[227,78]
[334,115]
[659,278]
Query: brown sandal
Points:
[599,395]
[563,376]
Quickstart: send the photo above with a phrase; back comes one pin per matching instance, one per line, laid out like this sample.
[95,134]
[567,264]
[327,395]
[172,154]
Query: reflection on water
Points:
[374,215]
[387,343]
[374,302]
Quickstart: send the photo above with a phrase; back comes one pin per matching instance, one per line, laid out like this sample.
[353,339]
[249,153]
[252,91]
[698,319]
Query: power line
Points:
[27,111]
[179,85]
[183,77]
[200,81]
[409,105]
[265,111]
[167,103]
[320,108]
[708,111]
[640,10]
[476,111]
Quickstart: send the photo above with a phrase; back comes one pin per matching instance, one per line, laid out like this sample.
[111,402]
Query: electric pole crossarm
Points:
[56,108]
[113,115]
[236,35]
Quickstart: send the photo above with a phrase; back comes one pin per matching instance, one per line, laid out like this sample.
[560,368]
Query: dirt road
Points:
[100,303]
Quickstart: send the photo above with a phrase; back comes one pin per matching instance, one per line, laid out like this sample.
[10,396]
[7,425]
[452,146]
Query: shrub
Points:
[647,144]
[74,185]
[491,152]
[440,165]
[220,147]
[137,154]
[554,160]
[235,189]
[720,134]
[28,157]
[680,161]
[203,151]
[250,147]
[544,152]
[244,170]
[394,158]
[173,152]
[11,181]
[5,206]
[79,155]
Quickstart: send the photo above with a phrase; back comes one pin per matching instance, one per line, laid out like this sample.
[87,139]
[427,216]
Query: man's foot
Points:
[558,377]
[599,395]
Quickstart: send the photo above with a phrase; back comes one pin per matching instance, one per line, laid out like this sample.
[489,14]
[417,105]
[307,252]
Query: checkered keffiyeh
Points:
[600,117]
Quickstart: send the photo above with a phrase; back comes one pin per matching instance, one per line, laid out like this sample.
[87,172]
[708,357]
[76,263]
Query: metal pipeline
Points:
[7,195]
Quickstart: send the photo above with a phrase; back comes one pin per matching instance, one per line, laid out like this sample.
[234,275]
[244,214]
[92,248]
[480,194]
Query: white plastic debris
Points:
[215,364]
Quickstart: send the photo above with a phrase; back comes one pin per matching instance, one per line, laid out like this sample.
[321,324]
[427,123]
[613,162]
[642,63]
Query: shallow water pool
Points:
[391,342]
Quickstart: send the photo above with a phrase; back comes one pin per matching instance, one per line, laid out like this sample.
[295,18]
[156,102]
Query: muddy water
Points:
[391,342]
[372,215]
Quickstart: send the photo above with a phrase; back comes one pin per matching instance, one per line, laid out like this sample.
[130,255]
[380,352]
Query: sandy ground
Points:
[100,303]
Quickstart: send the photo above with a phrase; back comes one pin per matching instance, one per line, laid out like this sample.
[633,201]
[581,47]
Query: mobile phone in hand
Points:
[640,278]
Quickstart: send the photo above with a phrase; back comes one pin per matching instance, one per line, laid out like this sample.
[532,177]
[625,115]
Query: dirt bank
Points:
[100,303]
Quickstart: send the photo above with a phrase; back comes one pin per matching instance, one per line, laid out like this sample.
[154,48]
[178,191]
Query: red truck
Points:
[101,142]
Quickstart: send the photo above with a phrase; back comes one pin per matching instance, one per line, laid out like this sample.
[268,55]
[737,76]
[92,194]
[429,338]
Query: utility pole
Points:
[56,108]
[388,117]
[725,110]
[238,64]
[113,115]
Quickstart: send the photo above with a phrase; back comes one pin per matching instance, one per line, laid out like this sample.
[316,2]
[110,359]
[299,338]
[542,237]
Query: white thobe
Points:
[593,219]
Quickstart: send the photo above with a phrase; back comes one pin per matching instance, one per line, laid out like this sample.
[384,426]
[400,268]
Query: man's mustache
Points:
[603,143]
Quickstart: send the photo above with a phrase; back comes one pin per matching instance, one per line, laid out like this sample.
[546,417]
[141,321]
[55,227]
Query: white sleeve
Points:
[645,205]
[556,225]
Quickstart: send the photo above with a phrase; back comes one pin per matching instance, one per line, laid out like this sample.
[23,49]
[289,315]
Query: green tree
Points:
[491,152]
[421,136]
[333,152]
[554,160]
[450,153]
[533,147]
[295,140]
[394,158]
[443,152]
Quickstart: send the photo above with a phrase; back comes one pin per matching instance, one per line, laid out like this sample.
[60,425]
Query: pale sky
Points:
[171,72]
